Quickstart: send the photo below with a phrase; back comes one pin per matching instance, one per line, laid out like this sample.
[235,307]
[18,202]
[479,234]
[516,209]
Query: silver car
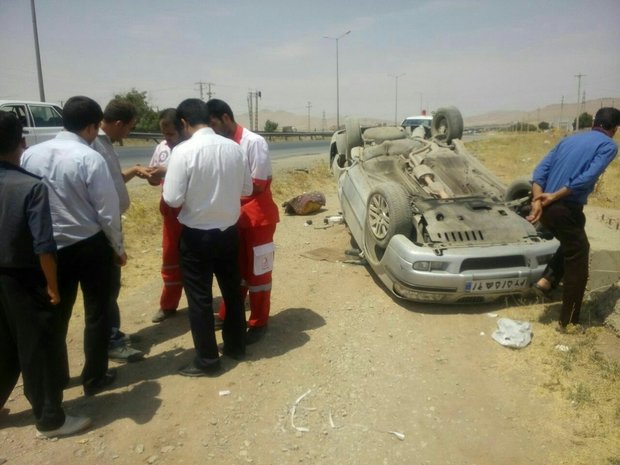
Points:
[41,120]
[433,223]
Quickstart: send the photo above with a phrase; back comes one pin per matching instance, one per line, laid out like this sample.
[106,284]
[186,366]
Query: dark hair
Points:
[218,108]
[194,111]
[607,118]
[80,112]
[120,110]
[10,132]
[170,116]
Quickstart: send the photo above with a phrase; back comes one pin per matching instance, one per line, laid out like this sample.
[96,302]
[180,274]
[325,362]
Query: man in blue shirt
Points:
[87,230]
[562,182]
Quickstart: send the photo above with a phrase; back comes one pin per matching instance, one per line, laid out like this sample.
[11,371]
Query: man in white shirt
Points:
[206,177]
[87,231]
[119,118]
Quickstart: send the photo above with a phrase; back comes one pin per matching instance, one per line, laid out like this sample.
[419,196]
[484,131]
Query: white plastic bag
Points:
[513,333]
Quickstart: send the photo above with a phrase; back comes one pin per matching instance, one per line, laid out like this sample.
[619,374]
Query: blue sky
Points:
[480,55]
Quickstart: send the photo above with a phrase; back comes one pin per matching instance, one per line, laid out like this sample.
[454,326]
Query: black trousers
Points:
[88,263]
[28,345]
[205,253]
[114,313]
[566,222]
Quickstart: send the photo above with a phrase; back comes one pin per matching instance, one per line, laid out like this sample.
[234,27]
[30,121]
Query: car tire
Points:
[354,135]
[518,189]
[388,213]
[447,124]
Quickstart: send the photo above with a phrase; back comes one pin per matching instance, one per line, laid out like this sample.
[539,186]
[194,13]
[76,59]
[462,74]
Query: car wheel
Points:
[388,213]
[447,124]
[354,135]
[518,189]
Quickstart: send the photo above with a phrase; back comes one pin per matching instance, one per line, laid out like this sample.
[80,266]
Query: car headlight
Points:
[428,265]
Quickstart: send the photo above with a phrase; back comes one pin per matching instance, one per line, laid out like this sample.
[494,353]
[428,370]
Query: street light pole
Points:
[396,76]
[37,52]
[337,39]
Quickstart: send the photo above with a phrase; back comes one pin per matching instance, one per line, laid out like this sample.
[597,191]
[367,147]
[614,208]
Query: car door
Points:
[47,121]
[353,190]
[21,110]
[41,121]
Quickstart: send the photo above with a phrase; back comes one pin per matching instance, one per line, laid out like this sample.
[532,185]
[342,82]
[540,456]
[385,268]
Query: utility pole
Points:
[250,110]
[396,76]
[257,95]
[210,93]
[561,113]
[37,51]
[308,107]
[201,87]
[337,39]
[323,122]
[578,76]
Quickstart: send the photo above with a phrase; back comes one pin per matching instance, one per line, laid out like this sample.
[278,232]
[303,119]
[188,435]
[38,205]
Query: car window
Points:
[45,116]
[20,111]
[417,122]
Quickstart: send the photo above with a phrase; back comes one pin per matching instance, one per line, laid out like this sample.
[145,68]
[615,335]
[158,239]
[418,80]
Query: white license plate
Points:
[495,285]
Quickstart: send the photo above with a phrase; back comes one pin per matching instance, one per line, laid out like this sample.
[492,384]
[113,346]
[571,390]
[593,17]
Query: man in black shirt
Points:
[29,290]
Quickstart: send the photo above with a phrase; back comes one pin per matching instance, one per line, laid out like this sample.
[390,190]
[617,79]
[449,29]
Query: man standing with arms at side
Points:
[206,177]
[29,291]
[562,182]
[119,118]
[257,223]
[171,228]
[87,230]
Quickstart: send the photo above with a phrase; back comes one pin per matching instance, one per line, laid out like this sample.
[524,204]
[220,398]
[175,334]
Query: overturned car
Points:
[433,223]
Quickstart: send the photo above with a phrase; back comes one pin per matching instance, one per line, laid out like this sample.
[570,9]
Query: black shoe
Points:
[236,354]
[255,334]
[93,387]
[193,371]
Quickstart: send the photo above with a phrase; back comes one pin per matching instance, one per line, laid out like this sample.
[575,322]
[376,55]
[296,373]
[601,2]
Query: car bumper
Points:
[512,270]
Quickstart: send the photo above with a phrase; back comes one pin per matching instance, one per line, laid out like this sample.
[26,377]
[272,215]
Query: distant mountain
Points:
[550,113]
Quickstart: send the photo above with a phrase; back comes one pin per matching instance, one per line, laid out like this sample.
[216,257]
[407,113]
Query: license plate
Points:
[496,285]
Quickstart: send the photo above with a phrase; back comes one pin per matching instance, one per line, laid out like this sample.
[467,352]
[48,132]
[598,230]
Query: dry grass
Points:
[513,155]
[292,183]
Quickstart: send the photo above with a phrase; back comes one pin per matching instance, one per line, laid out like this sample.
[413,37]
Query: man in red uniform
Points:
[170,269]
[257,223]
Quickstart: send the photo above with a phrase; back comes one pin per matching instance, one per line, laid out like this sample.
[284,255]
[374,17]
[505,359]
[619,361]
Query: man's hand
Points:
[546,198]
[144,172]
[53,294]
[156,175]
[120,260]
[535,212]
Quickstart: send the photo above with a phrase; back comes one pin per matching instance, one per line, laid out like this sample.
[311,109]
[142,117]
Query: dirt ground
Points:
[345,375]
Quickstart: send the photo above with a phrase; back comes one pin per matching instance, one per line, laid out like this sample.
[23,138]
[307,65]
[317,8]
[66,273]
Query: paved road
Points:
[279,150]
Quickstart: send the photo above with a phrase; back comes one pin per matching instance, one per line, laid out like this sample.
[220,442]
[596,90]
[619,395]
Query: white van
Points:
[41,120]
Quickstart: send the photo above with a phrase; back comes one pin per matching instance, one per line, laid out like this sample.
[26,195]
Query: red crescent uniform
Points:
[170,270]
[257,225]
